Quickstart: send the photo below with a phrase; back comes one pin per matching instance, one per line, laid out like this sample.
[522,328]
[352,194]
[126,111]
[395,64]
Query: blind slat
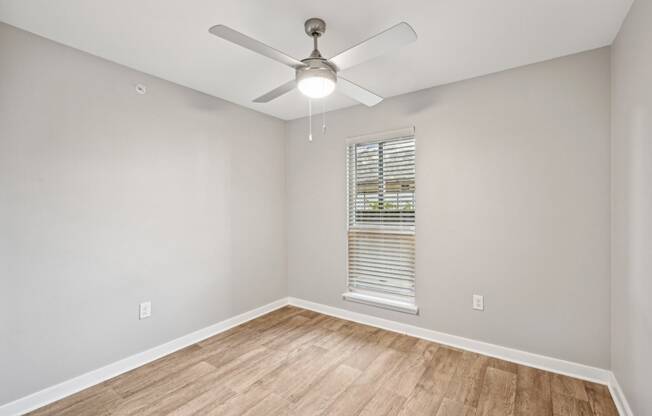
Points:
[381,271]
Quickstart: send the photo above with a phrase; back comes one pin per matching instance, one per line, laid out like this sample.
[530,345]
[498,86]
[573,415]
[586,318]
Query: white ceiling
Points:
[458,39]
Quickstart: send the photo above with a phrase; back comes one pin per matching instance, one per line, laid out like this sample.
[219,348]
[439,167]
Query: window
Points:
[381,220]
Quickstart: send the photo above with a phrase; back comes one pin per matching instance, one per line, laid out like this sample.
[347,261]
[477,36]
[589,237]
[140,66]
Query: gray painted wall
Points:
[632,207]
[512,202]
[109,198]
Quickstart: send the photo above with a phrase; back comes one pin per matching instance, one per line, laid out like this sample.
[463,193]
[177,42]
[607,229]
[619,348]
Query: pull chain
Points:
[323,119]
[309,119]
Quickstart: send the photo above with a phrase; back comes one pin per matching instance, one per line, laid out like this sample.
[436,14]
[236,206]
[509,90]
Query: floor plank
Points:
[569,386]
[532,392]
[498,393]
[452,408]
[600,400]
[236,405]
[466,384]
[440,371]
[563,405]
[295,362]
[421,402]
[214,395]
[326,391]
[406,375]
[365,387]
[384,403]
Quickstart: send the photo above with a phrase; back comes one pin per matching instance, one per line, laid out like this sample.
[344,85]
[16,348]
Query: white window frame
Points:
[386,301]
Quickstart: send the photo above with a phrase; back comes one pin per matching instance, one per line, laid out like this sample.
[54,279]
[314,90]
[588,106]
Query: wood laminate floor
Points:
[300,363]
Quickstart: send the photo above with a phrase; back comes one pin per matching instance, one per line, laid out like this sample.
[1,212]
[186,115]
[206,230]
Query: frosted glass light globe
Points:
[316,86]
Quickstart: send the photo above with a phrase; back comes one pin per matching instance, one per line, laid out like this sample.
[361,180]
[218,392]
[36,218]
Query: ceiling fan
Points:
[316,76]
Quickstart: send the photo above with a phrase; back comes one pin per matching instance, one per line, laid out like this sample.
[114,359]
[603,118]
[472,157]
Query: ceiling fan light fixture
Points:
[316,86]
[317,79]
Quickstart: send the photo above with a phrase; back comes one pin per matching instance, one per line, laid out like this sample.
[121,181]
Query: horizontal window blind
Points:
[381,217]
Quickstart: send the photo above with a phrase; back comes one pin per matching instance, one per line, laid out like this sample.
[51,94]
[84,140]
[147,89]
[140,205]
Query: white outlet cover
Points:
[478,302]
[145,310]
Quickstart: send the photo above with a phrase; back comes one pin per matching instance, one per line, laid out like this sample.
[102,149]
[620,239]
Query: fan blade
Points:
[358,93]
[384,42]
[277,92]
[252,44]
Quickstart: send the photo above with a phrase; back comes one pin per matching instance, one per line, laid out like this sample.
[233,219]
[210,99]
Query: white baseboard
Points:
[555,365]
[66,388]
[619,397]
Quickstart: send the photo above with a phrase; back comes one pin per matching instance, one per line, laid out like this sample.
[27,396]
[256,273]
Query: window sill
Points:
[395,305]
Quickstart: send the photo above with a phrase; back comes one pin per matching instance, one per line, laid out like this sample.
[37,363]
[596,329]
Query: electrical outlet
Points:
[478,302]
[145,310]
